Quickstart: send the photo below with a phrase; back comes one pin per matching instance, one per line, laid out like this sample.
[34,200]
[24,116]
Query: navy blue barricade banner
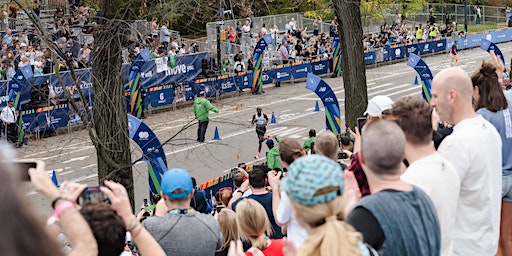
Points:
[283,74]
[320,67]
[244,81]
[301,70]
[369,58]
[490,46]
[159,71]
[190,93]
[426,76]
[208,85]
[331,105]
[424,48]
[397,52]
[226,85]
[29,121]
[413,48]
[161,95]
[439,45]
[55,116]
[148,142]
[267,76]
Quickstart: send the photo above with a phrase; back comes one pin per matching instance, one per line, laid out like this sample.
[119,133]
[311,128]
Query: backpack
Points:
[208,204]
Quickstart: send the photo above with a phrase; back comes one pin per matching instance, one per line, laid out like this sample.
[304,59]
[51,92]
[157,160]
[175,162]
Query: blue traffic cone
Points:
[273,119]
[317,107]
[54,178]
[216,134]
[416,80]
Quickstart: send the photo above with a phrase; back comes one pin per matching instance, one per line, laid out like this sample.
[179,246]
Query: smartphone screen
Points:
[361,121]
[21,167]
[92,195]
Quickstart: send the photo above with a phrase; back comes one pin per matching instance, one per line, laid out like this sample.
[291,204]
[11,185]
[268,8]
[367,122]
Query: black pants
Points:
[260,131]
[12,132]
[201,130]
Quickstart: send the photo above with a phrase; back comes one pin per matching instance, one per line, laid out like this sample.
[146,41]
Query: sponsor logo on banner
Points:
[282,74]
[302,70]
[161,97]
[227,85]
[151,150]
[322,89]
[411,49]
[488,37]
[265,77]
[425,48]
[143,135]
[328,100]
[319,66]
[398,52]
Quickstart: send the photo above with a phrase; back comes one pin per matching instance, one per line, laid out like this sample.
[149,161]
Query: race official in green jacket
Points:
[273,158]
[202,108]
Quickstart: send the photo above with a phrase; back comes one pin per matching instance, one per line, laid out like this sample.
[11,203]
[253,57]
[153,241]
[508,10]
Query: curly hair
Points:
[108,228]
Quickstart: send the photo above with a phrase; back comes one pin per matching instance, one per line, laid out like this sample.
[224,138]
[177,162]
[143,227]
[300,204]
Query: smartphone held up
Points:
[21,166]
[92,195]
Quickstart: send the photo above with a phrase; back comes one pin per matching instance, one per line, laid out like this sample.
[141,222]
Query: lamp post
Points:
[466,16]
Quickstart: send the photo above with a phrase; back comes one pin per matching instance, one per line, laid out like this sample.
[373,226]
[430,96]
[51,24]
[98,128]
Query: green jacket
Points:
[307,143]
[273,158]
[202,108]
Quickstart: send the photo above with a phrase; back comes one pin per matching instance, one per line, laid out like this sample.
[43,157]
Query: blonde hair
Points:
[327,237]
[228,227]
[253,223]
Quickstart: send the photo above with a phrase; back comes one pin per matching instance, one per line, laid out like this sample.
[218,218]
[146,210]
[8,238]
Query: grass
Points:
[479,28]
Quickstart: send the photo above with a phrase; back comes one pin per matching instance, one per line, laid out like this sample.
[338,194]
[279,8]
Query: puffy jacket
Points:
[202,108]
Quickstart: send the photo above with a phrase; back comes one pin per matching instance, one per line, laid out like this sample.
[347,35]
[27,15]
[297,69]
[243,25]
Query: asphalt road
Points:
[73,157]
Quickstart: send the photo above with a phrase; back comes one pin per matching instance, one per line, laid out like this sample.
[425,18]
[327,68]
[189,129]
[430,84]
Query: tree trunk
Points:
[348,16]
[110,121]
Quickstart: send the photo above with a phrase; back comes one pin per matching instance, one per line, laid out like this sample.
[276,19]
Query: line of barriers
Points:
[162,93]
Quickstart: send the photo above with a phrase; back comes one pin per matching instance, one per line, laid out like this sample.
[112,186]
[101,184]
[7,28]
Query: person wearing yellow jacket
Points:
[202,108]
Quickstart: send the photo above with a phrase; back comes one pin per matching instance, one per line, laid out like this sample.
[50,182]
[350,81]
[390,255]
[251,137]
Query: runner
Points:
[261,121]
[453,52]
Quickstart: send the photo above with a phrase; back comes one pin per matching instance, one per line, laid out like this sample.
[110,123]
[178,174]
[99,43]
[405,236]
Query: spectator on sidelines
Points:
[427,169]
[272,155]
[183,231]
[477,161]
[254,225]
[257,182]
[491,104]
[200,201]
[289,150]
[375,216]
[315,185]
[21,233]
[228,229]
[327,144]
[240,176]
[310,141]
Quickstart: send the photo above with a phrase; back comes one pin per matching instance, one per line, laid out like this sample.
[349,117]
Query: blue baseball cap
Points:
[174,179]
[313,179]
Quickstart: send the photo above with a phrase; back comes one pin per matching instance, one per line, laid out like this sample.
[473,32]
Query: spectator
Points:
[239,66]
[378,106]
[289,150]
[478,209]
[272,155]
[257,182]
[327,144]
[284,52]
[491,104]
[75,227]
[375,215]
[183,231]
[229,230]
[315,187]
[310,141]
[200,201]
[165,38]
[427,169]
[240,176]
[254,225]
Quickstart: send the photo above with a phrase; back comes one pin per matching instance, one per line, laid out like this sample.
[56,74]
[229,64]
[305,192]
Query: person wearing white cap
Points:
[377,105]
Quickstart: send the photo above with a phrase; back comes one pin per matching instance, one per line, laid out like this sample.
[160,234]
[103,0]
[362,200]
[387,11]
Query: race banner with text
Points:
[426,76]
[328,97]
[259,50]
[490,46]
[152,152]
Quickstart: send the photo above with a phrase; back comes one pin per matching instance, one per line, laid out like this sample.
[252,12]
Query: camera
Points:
[342,155]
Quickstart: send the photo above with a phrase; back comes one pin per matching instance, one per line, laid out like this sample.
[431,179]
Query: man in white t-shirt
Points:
[428,169]
[474,148]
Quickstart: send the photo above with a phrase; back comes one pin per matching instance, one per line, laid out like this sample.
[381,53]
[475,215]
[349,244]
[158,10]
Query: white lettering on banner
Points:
[265,77]
[143,135]
[426,47]
[398,52]
[425,75]
[161,65]
[501,36]
[151,150]
[411,49]
[369,57]
[20,77]
[328,99]
[305,69]
[146,74]
[440,44]
[3,99]
[227,85]
[282,74]
[162,98]
[319,67]
[322,89]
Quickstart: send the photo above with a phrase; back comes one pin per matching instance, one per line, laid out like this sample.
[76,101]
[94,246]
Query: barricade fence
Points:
[168,80]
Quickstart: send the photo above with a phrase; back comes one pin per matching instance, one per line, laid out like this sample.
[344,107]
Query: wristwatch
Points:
[241,191]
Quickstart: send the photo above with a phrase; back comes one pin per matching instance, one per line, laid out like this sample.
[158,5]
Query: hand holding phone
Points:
[92,195]
[361,121]
[21,167]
